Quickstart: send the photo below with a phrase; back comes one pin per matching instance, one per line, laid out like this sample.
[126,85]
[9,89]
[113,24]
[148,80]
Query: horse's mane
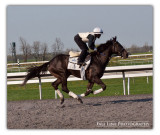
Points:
[104,46]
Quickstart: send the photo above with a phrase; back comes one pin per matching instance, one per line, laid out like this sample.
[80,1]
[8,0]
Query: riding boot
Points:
[82,57]
[80,62]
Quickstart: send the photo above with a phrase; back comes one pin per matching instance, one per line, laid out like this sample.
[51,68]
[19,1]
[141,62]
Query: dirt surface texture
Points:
[115,112]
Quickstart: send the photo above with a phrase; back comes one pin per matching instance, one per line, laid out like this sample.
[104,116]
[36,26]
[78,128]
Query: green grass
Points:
[114,88]
[142,53]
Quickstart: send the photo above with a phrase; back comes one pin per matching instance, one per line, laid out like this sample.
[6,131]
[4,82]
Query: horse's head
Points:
[112,46]
[118,49]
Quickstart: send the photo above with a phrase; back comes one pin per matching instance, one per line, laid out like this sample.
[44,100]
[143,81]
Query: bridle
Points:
[114,49]
[119,52]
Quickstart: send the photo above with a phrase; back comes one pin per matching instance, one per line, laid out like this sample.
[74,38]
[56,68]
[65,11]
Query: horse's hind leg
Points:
[99,82]
[70,93]
[89,89]
[55,85]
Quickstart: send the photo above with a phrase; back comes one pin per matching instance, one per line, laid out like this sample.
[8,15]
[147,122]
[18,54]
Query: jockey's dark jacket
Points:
[88,37]
[91,42]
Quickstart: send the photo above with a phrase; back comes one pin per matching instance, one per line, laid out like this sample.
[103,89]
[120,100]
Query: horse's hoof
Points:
[88,92]
[62,100]
[80,100]
[92,91]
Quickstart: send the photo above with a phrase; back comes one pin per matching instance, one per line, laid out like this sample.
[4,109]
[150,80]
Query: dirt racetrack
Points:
[134,111]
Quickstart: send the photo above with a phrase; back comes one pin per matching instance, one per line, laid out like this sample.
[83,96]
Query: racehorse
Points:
[58,68]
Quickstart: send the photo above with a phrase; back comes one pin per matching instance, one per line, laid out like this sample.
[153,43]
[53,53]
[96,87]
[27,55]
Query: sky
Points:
[131,24]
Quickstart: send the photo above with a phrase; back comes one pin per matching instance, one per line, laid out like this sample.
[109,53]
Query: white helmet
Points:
[97,30]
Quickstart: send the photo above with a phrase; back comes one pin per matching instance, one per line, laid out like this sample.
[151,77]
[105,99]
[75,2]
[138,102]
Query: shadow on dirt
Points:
[120,101]
[135,100]
[103,103]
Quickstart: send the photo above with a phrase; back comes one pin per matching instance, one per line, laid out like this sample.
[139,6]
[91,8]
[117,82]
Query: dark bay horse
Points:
[58,68]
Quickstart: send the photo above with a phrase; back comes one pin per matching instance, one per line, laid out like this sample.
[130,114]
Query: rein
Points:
[120,52]
[114,50]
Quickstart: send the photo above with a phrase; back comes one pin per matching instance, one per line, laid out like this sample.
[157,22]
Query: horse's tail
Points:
[35,72]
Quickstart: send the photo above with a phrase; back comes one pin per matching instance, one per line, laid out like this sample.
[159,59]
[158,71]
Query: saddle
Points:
[75,55]
[72,64]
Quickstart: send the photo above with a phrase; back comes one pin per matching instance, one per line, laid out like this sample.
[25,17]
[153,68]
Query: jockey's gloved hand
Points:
[90,51]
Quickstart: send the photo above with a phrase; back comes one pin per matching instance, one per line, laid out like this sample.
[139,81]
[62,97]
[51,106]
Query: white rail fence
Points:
[143,58]
[127,72]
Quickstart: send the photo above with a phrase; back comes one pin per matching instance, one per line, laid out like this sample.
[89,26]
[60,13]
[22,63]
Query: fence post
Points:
[124,84]
[128,85]
[40,88]
[18,65]
[55,95]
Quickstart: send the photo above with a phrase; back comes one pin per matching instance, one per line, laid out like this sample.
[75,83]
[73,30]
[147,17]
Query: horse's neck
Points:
[105,56]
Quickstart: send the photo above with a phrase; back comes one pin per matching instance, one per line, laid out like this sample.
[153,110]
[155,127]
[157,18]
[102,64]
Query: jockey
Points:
[89,37]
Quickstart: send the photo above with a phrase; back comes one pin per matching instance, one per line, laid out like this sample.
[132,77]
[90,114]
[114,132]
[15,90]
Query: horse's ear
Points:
[115,39]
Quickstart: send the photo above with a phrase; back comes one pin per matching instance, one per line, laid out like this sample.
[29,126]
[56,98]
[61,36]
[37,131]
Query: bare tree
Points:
[134,49]
[36,50]
[146,47]
[44,50]
[25,48]
[57,46]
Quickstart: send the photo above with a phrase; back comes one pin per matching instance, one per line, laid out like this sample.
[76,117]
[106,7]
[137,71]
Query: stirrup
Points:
[79,63]
[83,64]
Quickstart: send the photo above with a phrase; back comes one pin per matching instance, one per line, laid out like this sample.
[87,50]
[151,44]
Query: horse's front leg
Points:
[89,89]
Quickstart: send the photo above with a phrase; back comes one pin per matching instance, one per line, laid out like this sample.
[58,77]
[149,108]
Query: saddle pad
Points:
[72,64]
[74,54]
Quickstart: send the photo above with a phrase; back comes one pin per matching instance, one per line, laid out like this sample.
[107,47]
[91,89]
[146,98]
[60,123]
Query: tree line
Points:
[136,49]
[40,52]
